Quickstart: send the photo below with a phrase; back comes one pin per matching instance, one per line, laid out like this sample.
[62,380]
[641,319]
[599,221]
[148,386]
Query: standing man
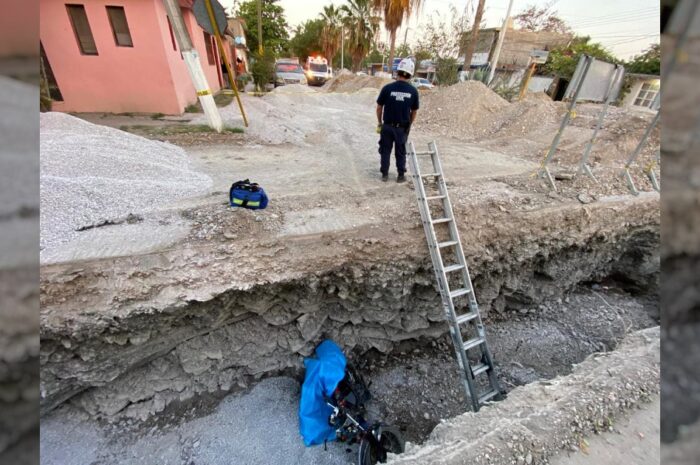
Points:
[397,106]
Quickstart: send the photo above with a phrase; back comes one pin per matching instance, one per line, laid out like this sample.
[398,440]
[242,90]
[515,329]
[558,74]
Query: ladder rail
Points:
[447,304]
[467,280]
[472,319]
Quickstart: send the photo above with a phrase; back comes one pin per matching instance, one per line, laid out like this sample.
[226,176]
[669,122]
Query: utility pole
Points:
[342,47]
[501,36]
[224,57]
[471,46]
[405,36]
[260,36]
[194,66]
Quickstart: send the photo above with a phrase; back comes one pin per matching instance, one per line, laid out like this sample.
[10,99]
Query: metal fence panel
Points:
[596,82]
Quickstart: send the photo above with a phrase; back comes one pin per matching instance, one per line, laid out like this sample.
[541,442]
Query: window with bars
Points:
[647,94]
[210,48]
[81,28]
[120,28]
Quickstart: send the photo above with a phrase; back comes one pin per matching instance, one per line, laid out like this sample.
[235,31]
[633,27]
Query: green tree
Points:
[307,39]
[395,12]
[539,19]
[404,50]
[421,53]
[562,61]
[440,40]
[648,62]
[332,19]
[360,26]
[274,24]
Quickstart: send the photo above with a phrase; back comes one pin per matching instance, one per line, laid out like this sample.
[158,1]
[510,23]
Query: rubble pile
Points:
[92,174]
[346,81]
[465,110]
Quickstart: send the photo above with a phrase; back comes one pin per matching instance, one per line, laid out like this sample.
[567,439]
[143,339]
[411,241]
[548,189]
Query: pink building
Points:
[19,28]
[121,56]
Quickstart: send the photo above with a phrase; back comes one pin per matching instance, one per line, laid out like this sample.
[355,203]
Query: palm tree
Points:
[361,27]
[332,28]
[395,12]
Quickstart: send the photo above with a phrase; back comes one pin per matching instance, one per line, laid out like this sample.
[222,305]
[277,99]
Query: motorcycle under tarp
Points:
[323,373]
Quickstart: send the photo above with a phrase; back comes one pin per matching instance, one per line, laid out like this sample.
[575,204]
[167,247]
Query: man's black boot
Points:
[385,177]
[401,178]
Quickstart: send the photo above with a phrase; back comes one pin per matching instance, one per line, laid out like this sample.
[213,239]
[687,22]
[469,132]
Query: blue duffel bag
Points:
[247,194]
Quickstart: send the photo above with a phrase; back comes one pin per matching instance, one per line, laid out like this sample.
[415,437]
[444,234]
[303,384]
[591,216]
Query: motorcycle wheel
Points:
[391,440]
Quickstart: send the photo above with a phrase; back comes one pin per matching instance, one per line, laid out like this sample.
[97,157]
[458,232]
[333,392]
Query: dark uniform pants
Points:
[389,136]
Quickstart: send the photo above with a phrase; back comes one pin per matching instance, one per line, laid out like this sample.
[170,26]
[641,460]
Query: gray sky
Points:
[626,27]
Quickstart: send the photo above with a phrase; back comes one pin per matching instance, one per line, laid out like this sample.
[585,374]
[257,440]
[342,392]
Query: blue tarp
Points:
[323,373]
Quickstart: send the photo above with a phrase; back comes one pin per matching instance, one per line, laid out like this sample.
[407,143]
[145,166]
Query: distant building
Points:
[102,57]
[239,47]
[517,45]
[643,91]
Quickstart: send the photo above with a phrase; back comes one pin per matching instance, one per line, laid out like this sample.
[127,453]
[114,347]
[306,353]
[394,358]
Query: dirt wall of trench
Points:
[139,364]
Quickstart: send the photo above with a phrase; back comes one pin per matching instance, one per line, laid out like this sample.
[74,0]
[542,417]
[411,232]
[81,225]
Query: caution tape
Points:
[202,93]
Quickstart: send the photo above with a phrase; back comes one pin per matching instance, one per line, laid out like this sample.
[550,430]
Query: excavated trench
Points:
[543,313]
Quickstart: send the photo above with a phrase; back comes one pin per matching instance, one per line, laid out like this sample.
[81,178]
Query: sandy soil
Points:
[635,439]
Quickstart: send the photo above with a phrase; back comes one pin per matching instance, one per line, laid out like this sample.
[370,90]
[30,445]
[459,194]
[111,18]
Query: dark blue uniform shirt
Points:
[398,99]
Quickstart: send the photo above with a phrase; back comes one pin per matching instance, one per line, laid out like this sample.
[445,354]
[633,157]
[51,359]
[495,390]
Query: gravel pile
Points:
[93,174]
[346,81]
[468,109]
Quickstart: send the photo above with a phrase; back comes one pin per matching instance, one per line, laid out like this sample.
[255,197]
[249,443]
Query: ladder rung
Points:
[451,268]
[461,319]
[436,197]
[441,220]
[479,369]
[442,245]
[471,343]
[429,175]
[424,153]
[488,396]
[459,292]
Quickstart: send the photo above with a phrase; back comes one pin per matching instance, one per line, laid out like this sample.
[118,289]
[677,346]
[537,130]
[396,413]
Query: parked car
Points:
[289,73]
[422,83]
[361,73]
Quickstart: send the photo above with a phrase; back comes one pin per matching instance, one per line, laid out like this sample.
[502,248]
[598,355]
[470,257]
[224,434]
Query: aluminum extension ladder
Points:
[481,362]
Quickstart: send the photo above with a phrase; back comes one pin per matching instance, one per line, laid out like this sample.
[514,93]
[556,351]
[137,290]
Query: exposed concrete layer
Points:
[181,324]
[538,420]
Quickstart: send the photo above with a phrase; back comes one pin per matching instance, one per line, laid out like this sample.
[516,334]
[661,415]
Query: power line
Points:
[616,14]
[615,19]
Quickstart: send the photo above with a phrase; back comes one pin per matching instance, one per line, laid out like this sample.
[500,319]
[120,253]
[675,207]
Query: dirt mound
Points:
[467,110]
[91,174]
[346,81]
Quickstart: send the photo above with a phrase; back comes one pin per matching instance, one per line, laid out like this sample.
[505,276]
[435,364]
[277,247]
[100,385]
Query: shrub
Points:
[262,69]
[446,71]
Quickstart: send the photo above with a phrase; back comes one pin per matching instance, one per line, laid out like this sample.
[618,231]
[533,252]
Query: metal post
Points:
[499,44]
[194,66]
[614,79]
[649,170]
[544,171]
[626,171]
[342,48]
[227,63]
[526,80]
